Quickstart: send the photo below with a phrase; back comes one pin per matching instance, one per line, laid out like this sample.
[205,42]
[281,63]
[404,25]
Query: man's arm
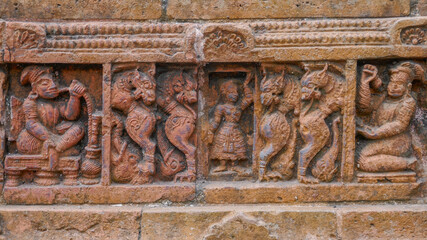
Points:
[399,125]
[72,109]
[32,124]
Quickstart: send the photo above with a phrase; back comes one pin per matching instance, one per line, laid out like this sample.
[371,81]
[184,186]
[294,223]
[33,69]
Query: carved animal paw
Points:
[185,176]
[275,176]
[141,179]
[220,168]
[307,180]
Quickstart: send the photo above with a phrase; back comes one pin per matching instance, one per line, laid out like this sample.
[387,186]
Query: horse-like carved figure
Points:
[130,86]
[322,92]
[176,91]
[280,95]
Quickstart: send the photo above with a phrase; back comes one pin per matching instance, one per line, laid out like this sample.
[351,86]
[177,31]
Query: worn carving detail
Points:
[235,226]
[176,95]
[46,140]
[322,93]
[133,92]
[414,36]
[384,121]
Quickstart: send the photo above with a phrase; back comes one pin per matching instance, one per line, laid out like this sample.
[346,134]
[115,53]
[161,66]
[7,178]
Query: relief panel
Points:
[227,121]
[299,129]
[390,122]
[153,123]
[54,125]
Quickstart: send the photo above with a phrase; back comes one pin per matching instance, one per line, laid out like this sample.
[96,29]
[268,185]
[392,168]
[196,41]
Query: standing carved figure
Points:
[129,87]
[280,96]
[225,135]
[389,117]
[50,125]
[176,91]
[323,95]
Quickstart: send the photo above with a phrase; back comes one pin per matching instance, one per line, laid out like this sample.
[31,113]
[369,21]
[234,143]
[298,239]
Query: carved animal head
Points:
[178,84]
[132,85]
[271,88]
[313,81]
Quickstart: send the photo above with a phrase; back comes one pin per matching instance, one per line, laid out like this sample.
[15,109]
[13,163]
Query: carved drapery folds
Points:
[156,108]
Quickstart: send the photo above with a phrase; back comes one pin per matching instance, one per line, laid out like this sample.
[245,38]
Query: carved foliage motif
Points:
[25,39]
[232,41]
[414,36]
[25,36]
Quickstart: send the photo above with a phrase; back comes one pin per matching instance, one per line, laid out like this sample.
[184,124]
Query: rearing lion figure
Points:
[176,91]
[129,87]
[280,95]
[322,92]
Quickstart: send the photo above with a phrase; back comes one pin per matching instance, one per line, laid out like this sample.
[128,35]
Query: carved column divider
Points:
[349,124]
[106,124]
[3,93]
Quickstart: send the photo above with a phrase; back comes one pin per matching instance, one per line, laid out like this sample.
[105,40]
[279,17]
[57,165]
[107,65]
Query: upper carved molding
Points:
[99,42]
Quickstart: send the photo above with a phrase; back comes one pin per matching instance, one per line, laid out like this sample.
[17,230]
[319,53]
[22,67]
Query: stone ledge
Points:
[285,222]
[293,192]
[406,221]
[83,9]
[198,9]
[99,194]
[65,222]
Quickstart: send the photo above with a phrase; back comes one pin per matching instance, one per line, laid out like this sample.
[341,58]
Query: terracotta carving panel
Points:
[54,125]
[239,112]
[390,120]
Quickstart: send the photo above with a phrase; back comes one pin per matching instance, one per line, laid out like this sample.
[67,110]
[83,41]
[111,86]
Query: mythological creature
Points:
[322,92]
[129,87]
[389,117]
[280,95]
[225,135]
[176,91]
[51,124]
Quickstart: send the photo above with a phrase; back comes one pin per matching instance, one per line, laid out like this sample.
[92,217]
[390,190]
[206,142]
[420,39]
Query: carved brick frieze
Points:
[239,112]
[98,42]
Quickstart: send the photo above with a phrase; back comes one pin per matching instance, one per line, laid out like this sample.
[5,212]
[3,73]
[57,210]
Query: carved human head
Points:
[229,91]
[401,78]
[41,80]
[312,82]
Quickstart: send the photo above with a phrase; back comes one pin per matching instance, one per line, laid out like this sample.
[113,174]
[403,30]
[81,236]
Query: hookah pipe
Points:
[91,167]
